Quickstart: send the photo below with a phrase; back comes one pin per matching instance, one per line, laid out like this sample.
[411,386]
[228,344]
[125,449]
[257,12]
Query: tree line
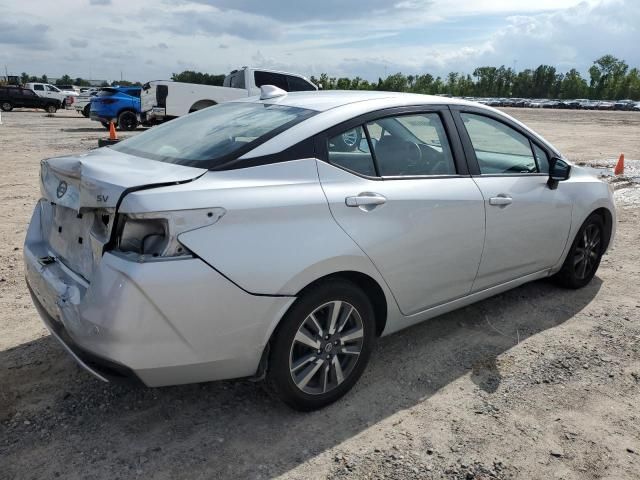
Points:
[609,78]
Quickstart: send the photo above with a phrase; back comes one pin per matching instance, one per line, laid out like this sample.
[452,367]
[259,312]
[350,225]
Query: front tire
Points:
[127,121]
[86,111]
[6,106]
[322,346]
[585,254]
[51,109]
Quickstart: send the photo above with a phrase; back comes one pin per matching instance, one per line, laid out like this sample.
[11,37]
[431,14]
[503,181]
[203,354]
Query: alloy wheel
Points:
[587,251]
[326,347]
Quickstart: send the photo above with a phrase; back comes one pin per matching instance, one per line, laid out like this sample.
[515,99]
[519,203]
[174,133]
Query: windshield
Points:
[214,136]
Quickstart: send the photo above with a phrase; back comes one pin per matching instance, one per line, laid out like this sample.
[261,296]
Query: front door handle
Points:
[365,199]
[501,200]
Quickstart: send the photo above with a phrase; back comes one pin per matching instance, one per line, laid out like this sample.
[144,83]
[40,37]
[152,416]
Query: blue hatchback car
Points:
[118,104]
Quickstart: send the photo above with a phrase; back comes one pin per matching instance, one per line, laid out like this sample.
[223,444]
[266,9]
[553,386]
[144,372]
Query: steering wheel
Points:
[412,152]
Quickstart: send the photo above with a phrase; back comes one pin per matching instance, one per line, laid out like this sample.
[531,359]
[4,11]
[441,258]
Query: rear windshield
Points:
[214,136]
[107,92]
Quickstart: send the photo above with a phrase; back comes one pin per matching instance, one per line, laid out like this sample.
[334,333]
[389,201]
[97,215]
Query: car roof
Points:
[321,101]
[337,106]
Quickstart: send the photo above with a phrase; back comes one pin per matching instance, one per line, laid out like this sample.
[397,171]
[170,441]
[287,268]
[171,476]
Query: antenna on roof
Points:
[271,91]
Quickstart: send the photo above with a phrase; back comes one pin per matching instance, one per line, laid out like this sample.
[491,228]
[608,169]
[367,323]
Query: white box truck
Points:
[162,100]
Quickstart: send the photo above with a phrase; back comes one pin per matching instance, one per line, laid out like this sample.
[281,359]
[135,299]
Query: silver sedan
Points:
[277,237]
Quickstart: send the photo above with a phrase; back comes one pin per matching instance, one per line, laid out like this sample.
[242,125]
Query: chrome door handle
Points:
[364,200]
[501,200]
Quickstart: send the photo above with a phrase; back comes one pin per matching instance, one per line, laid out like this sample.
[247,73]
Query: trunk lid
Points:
[80,195]
[98,179]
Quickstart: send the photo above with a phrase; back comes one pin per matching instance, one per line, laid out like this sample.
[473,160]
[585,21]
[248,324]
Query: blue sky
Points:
[150,39]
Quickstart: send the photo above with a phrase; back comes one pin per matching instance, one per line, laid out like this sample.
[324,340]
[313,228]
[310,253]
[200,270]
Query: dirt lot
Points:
[535,383]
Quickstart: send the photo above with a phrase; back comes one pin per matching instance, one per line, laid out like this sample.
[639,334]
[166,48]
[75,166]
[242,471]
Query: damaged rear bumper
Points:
[165,322]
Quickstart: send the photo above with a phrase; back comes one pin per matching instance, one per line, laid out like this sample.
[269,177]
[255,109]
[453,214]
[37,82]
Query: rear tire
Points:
[51,109]
[313,363]
[127,121]
[6,106]
[584,256]
[86,111]
[105,125]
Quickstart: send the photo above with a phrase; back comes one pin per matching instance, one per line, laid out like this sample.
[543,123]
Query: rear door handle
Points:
[365,199]
[501,199]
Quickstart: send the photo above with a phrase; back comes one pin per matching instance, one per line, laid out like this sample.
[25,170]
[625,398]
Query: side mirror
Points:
[558,171]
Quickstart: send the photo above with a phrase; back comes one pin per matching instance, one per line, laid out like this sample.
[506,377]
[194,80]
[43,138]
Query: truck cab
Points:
[251,79]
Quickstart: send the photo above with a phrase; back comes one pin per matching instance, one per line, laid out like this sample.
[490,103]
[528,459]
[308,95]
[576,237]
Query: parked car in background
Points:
[18,97]
[164,99]
[175,255]
[120,105]
[624,105]
[69,88]
[83,101]
[66,97]
[604,105]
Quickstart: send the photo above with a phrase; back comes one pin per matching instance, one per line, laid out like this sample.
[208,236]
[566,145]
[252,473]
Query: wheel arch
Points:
[366,283]
[203,103]
[607,219]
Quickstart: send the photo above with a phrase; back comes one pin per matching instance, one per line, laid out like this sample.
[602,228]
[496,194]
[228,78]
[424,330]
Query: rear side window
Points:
[270,78]
[235,80]
[499,148]
[106,92]
[38,87]
[297,84]
[350,150]
[134,92]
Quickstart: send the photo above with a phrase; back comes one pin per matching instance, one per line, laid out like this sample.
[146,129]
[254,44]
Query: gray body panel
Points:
[432,245]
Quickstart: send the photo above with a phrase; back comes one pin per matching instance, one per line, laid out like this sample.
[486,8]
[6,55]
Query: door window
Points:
[52,89]
[269,78]
[38,87]
[350,150]
[541,158]
[410,145]
[297,84]
[499,148]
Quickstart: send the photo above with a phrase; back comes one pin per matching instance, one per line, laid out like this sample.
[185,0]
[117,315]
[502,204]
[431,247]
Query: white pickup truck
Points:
[165,99]
[66,97]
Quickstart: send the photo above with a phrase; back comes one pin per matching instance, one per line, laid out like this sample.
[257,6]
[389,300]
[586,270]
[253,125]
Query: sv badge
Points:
[102,198]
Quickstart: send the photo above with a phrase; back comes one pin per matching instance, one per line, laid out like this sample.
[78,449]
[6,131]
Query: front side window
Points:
[542,159]
[350,150]
[410,145]
[499,148]
[214,136]
[52,88]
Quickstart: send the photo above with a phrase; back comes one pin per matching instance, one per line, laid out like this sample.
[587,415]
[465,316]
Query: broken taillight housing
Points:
[155,234]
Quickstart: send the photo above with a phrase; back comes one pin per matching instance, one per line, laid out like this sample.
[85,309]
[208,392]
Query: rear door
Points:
[397,184]
[527,222]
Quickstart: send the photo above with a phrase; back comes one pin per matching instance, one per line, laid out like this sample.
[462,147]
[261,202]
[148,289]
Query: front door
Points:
[527,222]
[394,187]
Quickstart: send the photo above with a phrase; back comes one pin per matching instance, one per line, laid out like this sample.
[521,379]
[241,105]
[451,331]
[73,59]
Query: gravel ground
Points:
[536,383]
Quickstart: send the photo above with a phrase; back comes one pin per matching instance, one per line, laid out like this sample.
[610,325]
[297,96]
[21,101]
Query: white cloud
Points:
[340,37]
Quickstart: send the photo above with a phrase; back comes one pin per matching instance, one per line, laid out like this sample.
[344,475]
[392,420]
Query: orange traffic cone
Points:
[112,131]
[619,170]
